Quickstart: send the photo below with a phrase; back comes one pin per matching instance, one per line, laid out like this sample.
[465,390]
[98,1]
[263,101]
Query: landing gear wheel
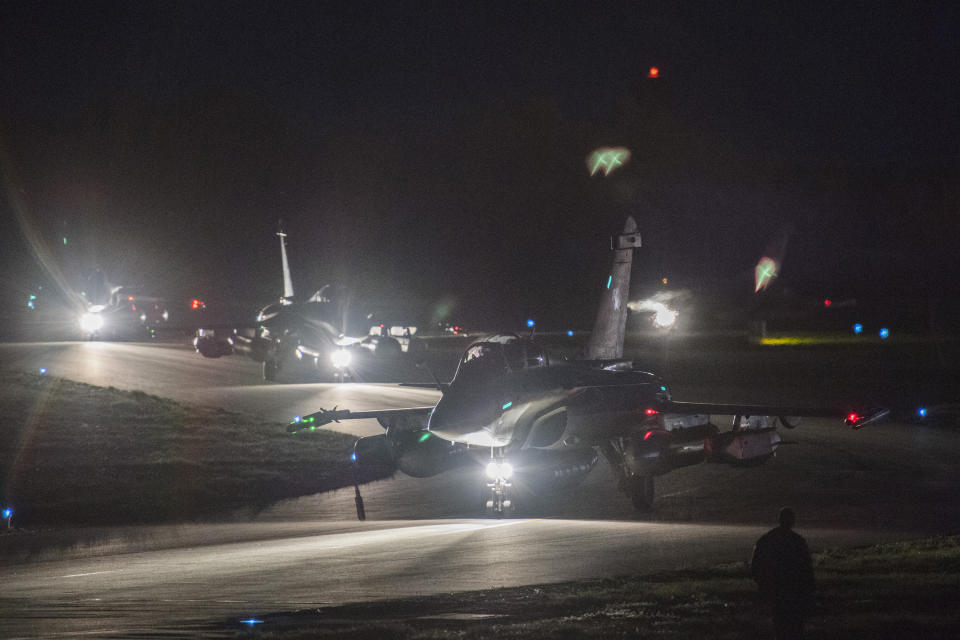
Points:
[270,369]
[497,502]
[505,510]
[641,492]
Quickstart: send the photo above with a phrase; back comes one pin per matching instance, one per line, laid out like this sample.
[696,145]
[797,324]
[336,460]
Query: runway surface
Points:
[235,383]
[889,482]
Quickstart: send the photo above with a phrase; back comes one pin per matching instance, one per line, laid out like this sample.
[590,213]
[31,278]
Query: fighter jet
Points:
[543,424]
[291,330]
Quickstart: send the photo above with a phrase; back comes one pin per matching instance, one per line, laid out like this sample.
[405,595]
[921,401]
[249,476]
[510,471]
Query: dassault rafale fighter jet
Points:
[542,424]
[290,330]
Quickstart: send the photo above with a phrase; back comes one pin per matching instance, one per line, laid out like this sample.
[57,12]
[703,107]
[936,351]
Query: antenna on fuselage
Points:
[287,280]
[441,387]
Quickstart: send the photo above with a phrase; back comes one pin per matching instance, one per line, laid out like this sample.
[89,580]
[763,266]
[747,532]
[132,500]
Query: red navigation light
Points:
[653,73]
[651,412]
[827,302]
[647,435]
[853,417]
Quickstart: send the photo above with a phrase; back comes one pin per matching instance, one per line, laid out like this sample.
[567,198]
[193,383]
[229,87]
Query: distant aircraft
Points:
[291,330]
[122,312]
[543,424]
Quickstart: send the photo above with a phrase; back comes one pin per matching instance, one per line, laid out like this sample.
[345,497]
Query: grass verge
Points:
[74,454]
[898,590]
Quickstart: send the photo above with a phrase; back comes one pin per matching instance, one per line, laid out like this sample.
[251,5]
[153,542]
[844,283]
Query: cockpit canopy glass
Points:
[487,360]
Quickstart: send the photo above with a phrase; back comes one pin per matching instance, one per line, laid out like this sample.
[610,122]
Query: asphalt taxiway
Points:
[887,482]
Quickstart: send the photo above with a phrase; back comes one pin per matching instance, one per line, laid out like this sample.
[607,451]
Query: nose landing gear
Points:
[498,501]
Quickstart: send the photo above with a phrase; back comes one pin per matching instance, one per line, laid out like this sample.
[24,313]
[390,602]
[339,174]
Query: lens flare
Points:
[607,160]
[764,273]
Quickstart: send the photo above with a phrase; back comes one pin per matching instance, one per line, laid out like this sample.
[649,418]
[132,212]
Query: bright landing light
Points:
[665,318]
[499,470]
[91,322]
[340,358]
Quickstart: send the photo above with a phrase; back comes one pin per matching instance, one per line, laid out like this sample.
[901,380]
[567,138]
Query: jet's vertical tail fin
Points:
[606,340]
[287,280]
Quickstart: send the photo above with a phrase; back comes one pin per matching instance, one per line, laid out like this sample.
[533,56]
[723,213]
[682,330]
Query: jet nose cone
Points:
[460,415]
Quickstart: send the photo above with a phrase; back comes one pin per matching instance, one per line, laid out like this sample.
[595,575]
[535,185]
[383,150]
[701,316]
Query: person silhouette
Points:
[782,567]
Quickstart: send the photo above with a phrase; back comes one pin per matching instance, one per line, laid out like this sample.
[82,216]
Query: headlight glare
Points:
[91,322]
[499,470]
[340,358]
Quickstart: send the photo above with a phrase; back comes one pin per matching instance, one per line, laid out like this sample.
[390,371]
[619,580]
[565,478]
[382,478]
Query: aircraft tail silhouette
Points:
[287,280]
[606,340]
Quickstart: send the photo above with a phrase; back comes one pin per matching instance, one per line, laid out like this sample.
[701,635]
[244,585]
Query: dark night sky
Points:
[435,151]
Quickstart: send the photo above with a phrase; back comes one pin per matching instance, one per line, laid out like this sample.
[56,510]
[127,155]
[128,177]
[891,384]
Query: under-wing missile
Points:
[325,416]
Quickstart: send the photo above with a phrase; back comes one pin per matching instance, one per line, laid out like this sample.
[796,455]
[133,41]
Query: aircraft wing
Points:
[383,416]
[854,418]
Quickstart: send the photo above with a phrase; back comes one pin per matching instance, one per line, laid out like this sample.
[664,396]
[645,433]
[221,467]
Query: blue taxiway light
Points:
[858,328]
[251,621]
[884,333]
[530,322]
[353,456]
[506,406]
[570,333]
[7,512]
[609,281]
[922,412]
[43,370]
[296,419]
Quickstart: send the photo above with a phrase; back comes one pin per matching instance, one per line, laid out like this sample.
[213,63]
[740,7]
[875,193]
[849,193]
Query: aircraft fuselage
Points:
[548,408]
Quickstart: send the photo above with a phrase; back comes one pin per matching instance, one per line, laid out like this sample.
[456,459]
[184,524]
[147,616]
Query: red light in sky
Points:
[653,73]
[647,435]
[827,302]
[652,412]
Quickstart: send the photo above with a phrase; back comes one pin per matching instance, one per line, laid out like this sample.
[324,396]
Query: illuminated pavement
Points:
[200,588]
[892,481]
[235,383]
